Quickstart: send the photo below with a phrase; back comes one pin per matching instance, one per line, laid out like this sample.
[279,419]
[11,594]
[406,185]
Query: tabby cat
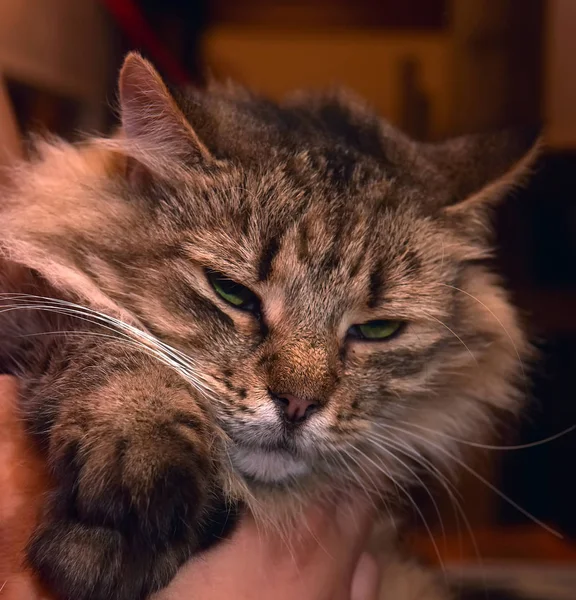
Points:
[233,302]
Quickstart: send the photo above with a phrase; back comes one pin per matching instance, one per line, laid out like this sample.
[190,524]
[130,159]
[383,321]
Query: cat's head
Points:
[323,272]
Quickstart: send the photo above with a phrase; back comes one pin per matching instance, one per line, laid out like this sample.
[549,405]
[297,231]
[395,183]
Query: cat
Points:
[238,303]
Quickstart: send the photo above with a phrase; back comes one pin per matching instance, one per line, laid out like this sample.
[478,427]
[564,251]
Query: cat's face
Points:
[319,270]
[325,323]
[348,317]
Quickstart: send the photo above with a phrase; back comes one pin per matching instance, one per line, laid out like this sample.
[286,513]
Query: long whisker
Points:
[388,475]
[141,340]
[118,338]
[96,317]
[450,488]
[375,488]
[459,513]
[495,316]
[547,440]
[350,474]
[153,349]
[477,476]
[454,334]
[413,452]
[380,444]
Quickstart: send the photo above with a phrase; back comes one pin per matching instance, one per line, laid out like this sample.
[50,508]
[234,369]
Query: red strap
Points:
[132,21]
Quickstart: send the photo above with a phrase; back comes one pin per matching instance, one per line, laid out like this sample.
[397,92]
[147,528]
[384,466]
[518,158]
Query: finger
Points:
[366,581]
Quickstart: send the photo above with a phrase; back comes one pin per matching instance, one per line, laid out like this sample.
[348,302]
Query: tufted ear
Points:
[481,169]
[151,117]
[61,213]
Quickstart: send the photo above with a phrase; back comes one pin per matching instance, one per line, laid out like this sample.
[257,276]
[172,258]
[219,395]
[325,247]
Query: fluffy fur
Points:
[151,396]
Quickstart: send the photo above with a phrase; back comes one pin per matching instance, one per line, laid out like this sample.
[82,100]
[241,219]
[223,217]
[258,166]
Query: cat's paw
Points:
[87,562]
[126,513]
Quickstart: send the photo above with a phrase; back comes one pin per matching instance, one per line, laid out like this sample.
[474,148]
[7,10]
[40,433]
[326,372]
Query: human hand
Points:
[321,559]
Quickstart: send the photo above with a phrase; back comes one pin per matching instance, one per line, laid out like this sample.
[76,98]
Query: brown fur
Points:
[333,218]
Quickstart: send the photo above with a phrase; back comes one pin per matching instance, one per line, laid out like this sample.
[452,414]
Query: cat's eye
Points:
[235,294]
[375,330]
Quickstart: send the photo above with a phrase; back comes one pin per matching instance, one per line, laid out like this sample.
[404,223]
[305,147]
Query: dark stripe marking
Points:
[375,285]
[267,258]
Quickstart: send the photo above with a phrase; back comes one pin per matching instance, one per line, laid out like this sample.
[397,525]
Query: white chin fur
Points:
[266,465]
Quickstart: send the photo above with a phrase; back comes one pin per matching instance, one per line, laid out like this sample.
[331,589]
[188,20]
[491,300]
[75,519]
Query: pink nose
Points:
[294,409]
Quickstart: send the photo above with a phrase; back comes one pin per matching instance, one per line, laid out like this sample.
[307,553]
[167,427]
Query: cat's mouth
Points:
[267,465]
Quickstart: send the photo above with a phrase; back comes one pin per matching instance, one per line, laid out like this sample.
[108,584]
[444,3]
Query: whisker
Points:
[381,445]
[483,480]
[375,487]
[388,475]
[547,440]
[141,340]
[134,344]
[454,334]
[96,317]
[495,316]
[450,488]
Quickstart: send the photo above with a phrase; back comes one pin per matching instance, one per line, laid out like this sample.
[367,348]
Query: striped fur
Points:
[158,432]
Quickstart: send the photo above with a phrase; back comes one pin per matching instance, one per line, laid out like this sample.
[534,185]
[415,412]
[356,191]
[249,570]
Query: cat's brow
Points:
[376,285]
[269,252]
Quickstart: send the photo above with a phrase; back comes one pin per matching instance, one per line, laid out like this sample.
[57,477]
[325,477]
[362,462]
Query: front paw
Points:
[127,512]
[88,562]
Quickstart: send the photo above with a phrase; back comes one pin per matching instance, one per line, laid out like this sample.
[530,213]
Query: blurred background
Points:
[433,67]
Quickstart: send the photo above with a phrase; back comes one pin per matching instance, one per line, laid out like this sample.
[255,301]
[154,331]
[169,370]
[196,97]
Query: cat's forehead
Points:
[343,247]
[324,189]
[323,222]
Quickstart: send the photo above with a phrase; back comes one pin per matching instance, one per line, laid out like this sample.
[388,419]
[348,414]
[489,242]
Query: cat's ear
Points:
[151,118]
[480,170]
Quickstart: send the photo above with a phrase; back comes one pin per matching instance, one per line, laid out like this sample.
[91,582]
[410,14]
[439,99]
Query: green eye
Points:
[375,330]
[235,294]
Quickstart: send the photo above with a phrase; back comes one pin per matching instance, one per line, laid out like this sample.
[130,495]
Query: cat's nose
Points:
[294,409]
